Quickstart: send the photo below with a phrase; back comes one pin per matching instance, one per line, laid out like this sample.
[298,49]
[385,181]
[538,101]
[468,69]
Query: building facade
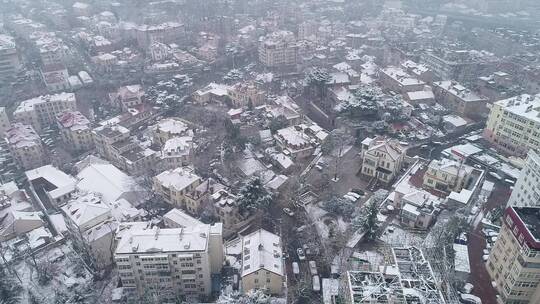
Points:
[382,158]
[513,263]
[513,124]
[526,192]
[25,146]
[41,112]
[75,131]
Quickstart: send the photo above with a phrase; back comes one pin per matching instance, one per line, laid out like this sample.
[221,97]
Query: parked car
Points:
[467,288]
[313,268]
[306,249]
[316,283]
[354,194]
[301,254]
[295,268]
[358,191]
[350,198]
[288,211]
[469,299]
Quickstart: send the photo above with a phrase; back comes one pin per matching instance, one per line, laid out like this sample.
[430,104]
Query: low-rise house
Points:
[17,215]
[127,96]
[176,187]
[399,81]
[25,146]
[262,263]
[382,158]
[244,94]
[57,185]
[419,209]
[459,99]
[176,152]
[294,141]
[447,175]
[75,130]
[212,93]
[168,128]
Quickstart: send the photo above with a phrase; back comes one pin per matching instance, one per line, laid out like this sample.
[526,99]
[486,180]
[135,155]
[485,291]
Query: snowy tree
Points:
[367,219]
[233,76]
[253,196]
[251,297]
[317,81]
[10,289]
[278,123]
[339,206]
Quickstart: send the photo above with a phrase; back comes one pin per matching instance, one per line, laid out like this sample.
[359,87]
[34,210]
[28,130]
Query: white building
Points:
[382,158]
[278,49]
[41,112]
[25,146]
[526,192]
[262,263]
[17,213]
[127,96]
[4,121]
[166,263]
[57,185]
[177,187]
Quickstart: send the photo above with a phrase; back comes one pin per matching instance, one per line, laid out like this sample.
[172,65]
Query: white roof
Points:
[461,258]
[455,120]
[178,179]
[62,182]
[411,209]
[139,240]
[458,90]
[86,208]
[107,180]
[21,135]
[401,76]
[261,250]
[525,105]
[172,125]
[28,105]
[181,219]
[420,95]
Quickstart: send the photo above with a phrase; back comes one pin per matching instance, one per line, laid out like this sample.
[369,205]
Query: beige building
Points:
[167,263]
[25,146]
[279,49]
[127,96]
[168,128]
[177,187]
[513,124]
[382,158]
[75,130]
[447,175]
[262,263]
[513,263]
[459,99]
[41,112]
[242,94]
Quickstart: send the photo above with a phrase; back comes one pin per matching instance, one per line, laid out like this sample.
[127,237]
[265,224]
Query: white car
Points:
[351,198]
[355,195]
[313,268]
[288,211]
[295,268]
[470,299]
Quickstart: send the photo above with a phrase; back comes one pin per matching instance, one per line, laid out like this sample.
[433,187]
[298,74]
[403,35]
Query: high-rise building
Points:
[9,57]
[514,261]
[278,49]
[513,124]
[168,263]
[527,189]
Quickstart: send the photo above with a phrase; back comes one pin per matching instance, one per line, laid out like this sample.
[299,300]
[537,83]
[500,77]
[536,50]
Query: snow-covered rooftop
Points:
[62,182]
[177,179]
[261,250]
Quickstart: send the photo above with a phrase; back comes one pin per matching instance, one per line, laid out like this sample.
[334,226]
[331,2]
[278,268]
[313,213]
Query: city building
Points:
[399,81]
[513,124]
[25,146]
[17,213]
[169,128]
[169,263]
[213,92]
[294,142]
[4,121]
[382,158]
[459,99]
[447,175]
[514,259]
[57,185]
[55,77]
[105,136]
[41,112]
[75,131]
[10,64]
[177,188]
[127,96]
[526,192]
[262,263]
[176,152]
[244,94]
[279,49]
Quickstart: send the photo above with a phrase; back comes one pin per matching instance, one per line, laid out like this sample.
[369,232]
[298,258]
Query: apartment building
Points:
[176,152]
[397,80]
[75,130]
[514,261]
[9,57]
[168,263]
[226,209]
[382,158]
[526,192]
[278,49]
[4,121]
[262,263]
[177,187]
[41,112]
[513,124]
[105,136]
[25,146]
[459,99]
[57,185]
[244,94]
